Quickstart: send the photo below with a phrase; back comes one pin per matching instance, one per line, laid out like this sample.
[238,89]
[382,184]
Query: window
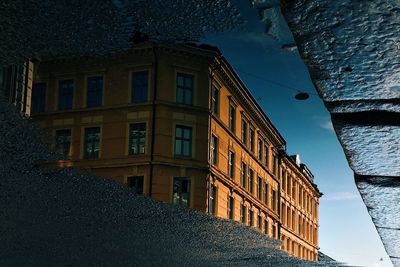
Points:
[139,88]
[293,220]
[63,141]
[232,118]
[184,88]
[266,156]
[181,192]
[243,213]
[244,132]
[259,222]
[251,139]
[243,173]
[136,183]
[266,193]
[213,199]
[251,217]
[274,231]
[214,150]
[215,100]
[283,182]
[273,198]
[231,164]
[260,149]
[294,189]
[38,97]
[231,207]
[94,96]
[183,141]
[251,180]
[92,143]
[259,188]
[274,164]
[65,94]
[266,226]
[289,185]
[137,138]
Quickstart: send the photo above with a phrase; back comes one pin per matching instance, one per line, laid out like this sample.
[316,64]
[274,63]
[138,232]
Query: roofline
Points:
[314,185]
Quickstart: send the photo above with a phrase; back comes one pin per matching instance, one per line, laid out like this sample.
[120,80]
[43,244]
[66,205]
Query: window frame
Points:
[243,174]
[182,140]
[259,187]
[184,89]
[128,178]
[231,164]
[252,136]
[189,200]
[132,88]
[244,131]
[231,207]
[243,213]
[70,140]
[232,118]
[43,101]
[59,82]
[138,142]
[260,152]
[215,97]
[214,145]
[84,142]
[212,202]
[87,90]
[251,180]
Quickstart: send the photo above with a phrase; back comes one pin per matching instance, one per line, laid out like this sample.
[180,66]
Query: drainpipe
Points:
[281,154]
[153,120]
[209,176]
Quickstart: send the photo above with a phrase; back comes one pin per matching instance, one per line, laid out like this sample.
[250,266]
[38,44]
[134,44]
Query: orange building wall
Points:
[116,113]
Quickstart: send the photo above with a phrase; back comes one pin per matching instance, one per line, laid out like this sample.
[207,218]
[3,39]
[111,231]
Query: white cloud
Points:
[324,122]
[327,125]
[341,196]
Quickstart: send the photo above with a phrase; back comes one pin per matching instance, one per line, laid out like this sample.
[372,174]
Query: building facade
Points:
[16,85]
[177,124]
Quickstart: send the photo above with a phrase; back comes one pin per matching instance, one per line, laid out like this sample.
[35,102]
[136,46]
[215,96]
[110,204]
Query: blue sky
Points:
[346,230]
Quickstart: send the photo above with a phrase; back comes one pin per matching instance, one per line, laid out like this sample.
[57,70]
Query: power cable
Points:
[275,83]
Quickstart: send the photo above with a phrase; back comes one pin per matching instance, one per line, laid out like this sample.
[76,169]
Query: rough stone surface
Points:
[34,29]
[352,49]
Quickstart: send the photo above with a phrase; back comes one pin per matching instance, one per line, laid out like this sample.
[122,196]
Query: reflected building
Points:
[176,123]
[16,85]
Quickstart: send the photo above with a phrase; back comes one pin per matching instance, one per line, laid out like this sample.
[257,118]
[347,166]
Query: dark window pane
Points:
[184,89]
[65,94]
[139,86]
[214,149]
[181,191]
[215,100]
[244,132]
[243,174]
[92,143]
[231,164]
[38,97]
[136,182]
[183,141]
[63,141]
[213,200]
[137,138]
[232,118]
[94,91]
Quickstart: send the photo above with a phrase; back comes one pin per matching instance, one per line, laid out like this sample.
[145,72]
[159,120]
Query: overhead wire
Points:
[275,83]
